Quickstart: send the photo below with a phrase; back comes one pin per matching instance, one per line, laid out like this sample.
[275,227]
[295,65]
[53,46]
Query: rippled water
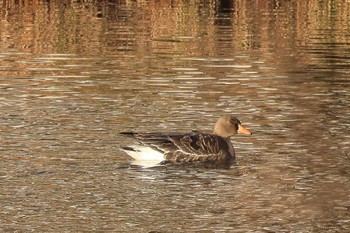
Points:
[73,75]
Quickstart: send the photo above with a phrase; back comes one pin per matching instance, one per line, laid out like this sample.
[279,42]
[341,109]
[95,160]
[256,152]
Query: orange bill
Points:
[243,130]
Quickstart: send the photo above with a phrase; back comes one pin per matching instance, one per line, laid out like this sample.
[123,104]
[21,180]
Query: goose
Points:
[209,149]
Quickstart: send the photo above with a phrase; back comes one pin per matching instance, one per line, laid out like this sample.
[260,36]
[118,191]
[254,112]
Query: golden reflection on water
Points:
[75,73]
[144,27]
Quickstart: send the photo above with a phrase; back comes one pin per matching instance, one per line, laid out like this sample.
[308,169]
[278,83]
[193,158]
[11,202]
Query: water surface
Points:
[73,75]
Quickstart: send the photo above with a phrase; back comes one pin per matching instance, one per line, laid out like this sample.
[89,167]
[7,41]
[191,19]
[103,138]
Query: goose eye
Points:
[235,121]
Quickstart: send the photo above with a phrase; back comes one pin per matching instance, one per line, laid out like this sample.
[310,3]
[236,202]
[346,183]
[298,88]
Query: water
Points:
[73,75]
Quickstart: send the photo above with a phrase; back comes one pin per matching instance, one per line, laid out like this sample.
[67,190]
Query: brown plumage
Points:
[211,150]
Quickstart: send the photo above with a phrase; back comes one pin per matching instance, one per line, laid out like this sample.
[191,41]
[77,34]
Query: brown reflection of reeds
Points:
[46,27]
[143,28]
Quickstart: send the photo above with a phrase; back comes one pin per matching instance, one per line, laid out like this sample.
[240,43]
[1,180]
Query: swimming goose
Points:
[212,150]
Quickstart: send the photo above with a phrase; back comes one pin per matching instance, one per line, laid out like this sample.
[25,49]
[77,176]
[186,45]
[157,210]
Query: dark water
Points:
[75,73]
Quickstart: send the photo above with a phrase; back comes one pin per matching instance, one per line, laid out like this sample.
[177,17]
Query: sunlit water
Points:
[74,75]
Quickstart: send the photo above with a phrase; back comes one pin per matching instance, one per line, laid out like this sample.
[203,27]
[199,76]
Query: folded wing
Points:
[190,147]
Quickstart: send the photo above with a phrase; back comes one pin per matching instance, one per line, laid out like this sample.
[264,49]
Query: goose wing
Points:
[187,147]
[157,141]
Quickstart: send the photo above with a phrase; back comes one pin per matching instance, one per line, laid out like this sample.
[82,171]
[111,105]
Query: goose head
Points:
[227,126]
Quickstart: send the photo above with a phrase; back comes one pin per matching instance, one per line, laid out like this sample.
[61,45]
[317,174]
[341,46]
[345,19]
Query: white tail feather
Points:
[144,156]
